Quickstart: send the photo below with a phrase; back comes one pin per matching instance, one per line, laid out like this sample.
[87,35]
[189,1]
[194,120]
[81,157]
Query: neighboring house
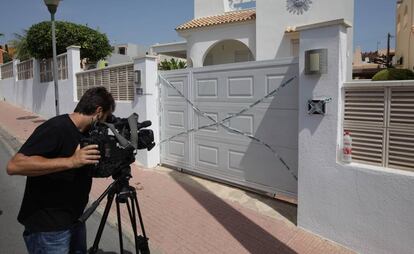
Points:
[11,51]
[404,34]
[168,51]
[126,53]
[223,32]
[363,69]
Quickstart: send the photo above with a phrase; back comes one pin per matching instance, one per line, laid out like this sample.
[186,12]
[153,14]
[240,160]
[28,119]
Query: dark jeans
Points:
[56,242]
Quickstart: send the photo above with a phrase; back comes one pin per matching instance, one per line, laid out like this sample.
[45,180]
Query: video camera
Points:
[118,149]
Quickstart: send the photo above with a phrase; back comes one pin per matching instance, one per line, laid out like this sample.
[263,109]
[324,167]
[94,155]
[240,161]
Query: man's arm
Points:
[24,165]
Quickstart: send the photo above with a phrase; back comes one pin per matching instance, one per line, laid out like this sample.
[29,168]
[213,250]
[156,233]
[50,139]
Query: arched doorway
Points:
[228,51]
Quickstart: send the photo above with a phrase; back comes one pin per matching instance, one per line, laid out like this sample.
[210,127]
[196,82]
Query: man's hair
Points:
[93,98]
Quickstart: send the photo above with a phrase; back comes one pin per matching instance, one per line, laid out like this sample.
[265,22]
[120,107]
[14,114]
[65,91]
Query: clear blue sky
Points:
[149,22]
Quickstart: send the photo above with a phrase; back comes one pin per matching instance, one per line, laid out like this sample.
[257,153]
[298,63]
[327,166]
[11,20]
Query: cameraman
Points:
[58,183]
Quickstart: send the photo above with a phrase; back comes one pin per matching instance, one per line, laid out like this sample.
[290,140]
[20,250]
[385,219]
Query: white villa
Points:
[223,32]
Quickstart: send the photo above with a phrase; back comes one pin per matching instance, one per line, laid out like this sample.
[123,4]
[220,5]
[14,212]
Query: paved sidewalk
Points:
[185,214]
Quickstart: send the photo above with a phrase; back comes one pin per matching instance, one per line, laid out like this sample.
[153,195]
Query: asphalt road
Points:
[11,194]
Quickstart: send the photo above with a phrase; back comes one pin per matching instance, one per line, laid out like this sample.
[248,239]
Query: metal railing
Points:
[7,70]
[25,70]
[46,68]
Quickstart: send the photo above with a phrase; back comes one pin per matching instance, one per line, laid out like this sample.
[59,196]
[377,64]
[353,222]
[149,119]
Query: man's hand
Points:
[85,156]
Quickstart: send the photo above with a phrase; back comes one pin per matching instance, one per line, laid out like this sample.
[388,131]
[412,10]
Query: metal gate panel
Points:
[174,120]
[221,91]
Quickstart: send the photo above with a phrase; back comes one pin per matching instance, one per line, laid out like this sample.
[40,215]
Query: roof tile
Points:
[228,17]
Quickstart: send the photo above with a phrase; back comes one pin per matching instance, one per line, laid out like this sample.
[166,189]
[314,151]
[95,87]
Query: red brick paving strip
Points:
[187,218]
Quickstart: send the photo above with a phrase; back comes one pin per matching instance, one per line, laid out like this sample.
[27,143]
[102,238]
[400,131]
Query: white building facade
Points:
[404,34]
[267,31]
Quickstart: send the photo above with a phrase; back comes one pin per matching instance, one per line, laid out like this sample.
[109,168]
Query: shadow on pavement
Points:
[26,117]
[287,210]
[253,237]
[111,252]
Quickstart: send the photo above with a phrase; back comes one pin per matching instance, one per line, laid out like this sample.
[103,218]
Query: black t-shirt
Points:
[54,201]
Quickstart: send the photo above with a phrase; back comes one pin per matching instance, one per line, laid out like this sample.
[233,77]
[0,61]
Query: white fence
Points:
[25,70]
[7,70]
[238,150]
[46,68]
[31,86]
[119,80]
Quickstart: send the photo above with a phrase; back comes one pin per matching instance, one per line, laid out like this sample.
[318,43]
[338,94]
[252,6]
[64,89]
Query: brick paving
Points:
[185,216]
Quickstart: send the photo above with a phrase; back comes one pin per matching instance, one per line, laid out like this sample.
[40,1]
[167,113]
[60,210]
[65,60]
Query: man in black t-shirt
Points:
[58,183]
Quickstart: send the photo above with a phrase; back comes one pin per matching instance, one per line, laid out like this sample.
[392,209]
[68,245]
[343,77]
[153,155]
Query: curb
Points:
[11,143]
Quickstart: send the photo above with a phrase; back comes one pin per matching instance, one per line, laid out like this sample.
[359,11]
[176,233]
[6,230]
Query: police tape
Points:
[221,122]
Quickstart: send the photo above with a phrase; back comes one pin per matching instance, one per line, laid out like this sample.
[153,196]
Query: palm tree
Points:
[20,45]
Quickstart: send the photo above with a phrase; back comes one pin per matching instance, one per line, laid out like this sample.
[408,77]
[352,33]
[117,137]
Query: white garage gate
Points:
[255,148]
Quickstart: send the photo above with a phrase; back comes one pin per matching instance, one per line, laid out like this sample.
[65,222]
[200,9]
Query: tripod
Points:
[124,194]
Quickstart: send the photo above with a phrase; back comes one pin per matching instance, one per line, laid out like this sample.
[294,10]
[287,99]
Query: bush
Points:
[171,64]
[393,74]
[94,45]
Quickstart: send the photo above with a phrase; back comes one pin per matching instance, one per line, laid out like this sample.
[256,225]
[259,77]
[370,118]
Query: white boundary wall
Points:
[368,209]
[39,97]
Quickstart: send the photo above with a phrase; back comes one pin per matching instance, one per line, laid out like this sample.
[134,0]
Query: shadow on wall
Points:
[250,235]
[39,92]
[277,126]
[22,89]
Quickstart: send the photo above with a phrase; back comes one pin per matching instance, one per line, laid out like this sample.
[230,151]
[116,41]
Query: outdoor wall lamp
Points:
[52,7]
[137,80]
[137,77]
[316,61]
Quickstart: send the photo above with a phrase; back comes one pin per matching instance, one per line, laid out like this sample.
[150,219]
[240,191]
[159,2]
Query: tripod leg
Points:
[118,215]
[139,215]
[94,248]
[141,241]
[133,220]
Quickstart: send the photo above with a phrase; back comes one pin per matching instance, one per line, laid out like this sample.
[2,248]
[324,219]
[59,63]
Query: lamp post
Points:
[52,7]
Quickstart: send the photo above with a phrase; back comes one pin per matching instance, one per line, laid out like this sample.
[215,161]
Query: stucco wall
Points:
[199,41]
[39,97]
[368,209]
[273,18]
[203,8]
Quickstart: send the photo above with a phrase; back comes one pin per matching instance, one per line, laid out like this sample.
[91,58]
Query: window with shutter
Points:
[381,122]
[119,80]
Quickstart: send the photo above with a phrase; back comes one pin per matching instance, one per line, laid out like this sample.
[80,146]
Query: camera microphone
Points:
[144,124]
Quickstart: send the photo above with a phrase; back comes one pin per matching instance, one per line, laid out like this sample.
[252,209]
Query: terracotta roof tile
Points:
[228,17]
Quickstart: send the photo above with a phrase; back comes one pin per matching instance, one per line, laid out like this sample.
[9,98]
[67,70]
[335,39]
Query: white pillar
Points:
[321,185]
[16,97]
[147,106]
[73,55]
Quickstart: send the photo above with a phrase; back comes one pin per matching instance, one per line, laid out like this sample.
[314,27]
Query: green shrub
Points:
[94,45]
[171,64]
[393,74]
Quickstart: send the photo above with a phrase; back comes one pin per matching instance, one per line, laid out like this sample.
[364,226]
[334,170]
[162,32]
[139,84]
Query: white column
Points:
[15,63]
[322,187]
[147,106]
[17,96]
[73,55]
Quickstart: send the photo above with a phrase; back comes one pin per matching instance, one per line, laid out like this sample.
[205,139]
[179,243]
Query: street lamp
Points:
[52,7]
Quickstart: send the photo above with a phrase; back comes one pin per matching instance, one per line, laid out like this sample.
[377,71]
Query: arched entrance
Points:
[228,51]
